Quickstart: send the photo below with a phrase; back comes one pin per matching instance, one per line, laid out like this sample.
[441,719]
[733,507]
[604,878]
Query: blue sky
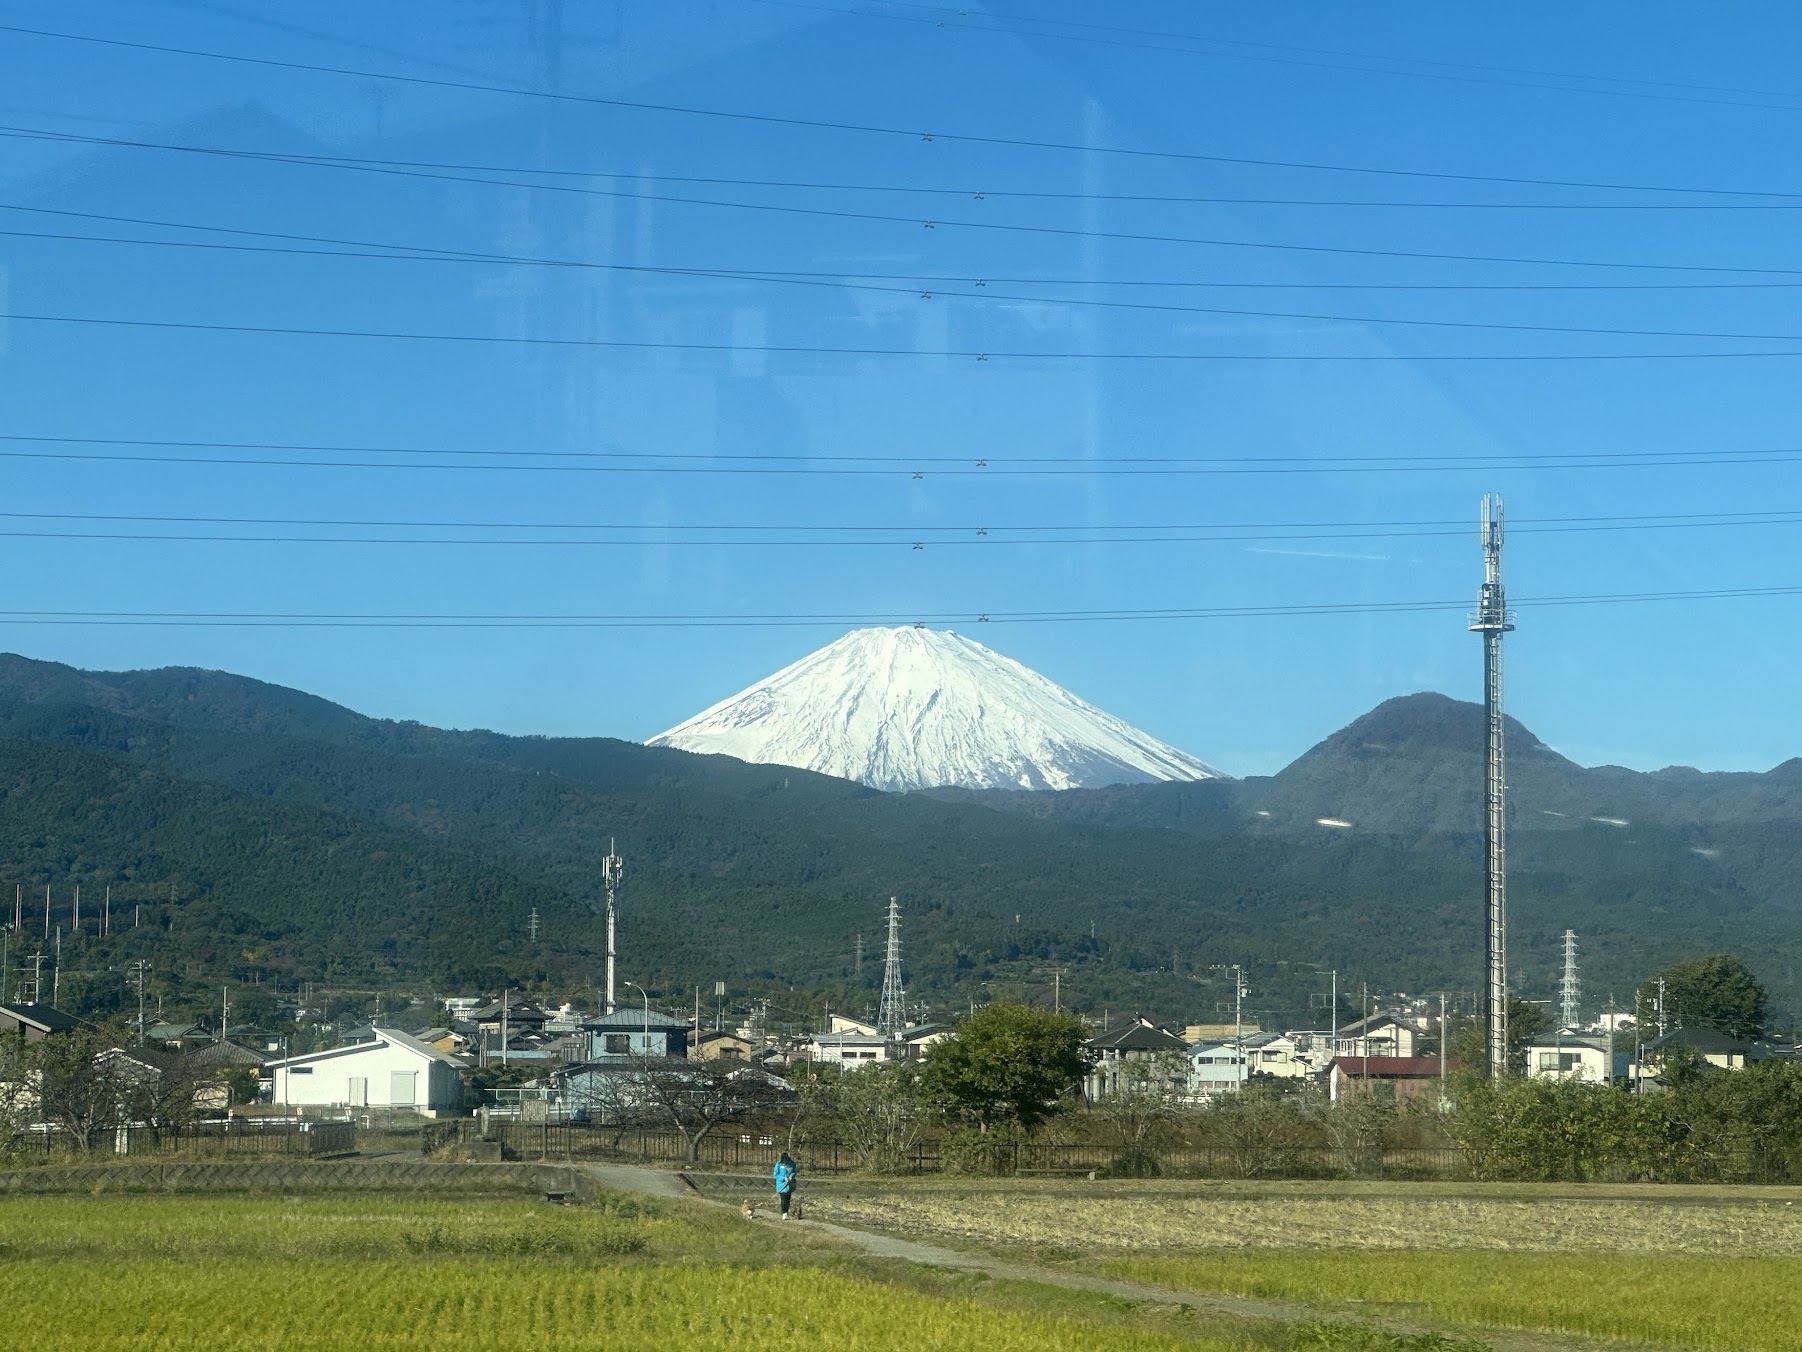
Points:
[797,483]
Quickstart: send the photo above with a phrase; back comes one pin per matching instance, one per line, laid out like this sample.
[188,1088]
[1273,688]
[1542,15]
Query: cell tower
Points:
[891,1017]
[611,868]
[1570,989]
[1492,620]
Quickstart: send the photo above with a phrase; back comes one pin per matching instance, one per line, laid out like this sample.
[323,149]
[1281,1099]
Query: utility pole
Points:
[891,1018]
[1493,619]
[611,868]
[1570,989]
[139,970]
[18,906]
[1660,1007]
[106,914]
[37,978]
[75,914]
[225,1011]
[719,1015]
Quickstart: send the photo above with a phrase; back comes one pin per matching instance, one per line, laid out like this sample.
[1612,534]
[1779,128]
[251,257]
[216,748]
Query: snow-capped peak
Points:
[910,708]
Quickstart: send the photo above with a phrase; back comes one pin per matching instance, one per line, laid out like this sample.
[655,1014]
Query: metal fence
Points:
[731,1149]
[232,1138]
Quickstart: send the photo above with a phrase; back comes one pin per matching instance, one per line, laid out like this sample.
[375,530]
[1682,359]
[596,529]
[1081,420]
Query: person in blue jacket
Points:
[784,1176]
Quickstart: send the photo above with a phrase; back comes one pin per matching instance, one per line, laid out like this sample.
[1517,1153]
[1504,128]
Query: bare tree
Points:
[696,1099]
[1141,1111]
[878,1112]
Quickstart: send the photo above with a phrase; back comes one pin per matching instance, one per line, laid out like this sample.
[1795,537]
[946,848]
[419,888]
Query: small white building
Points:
[848,1049]
[392,1070]
[1567,1055]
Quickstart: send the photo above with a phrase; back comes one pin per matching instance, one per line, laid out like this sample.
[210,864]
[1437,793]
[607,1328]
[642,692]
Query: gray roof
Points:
[1137,1037]
[392,1036]
[625,1020]
[225,1053]
[50,1019]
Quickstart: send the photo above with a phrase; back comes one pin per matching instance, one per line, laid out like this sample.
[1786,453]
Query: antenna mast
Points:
[611,868]
[891,1019]
[1570,989]
[1492,620]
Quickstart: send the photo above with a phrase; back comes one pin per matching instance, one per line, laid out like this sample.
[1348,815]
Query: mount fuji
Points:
[908,708]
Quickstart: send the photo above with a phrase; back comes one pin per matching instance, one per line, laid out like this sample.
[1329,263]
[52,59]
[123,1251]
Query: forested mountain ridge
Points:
[322,842]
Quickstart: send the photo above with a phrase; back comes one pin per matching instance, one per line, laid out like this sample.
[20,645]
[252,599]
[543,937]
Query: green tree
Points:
[1008,1064]
[1717,991]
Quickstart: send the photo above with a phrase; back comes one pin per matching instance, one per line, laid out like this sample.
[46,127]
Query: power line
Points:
[1075,232]
[441,169]
[766,274]
[648,462]
[227,619]
[842,537]
[962,19]
[826,350]
[426,254]
[868,129]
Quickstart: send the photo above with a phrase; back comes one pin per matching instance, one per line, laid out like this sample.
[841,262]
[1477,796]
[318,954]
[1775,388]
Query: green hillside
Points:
[267,834]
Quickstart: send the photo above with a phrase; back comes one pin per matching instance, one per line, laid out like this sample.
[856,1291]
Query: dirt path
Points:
[871,1244]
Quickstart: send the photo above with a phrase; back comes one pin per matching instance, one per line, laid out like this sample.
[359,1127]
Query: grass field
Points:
[159,1274]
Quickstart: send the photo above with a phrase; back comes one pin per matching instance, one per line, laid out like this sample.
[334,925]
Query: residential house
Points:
[1111,1054]
[1406,1076]
[1216,1068]
[393,1070]
[34,1022]
[1568,1055]
[1380,1034]
[1197,1033]
[176,1035]
[627,1033]
[1713,1047]
[1279,1054]
[716,1044]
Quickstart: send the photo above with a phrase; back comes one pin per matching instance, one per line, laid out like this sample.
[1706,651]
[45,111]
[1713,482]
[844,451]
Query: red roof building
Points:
[1406,1075]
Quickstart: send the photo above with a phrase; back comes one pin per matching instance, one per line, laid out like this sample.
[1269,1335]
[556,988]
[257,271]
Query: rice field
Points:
[1680,1268]
[1162,1218]
[1737,1304]
[160,1274]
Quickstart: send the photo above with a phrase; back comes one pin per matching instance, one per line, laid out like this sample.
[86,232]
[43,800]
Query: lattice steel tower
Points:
[891,1016]
[1492,620]
[1570,989]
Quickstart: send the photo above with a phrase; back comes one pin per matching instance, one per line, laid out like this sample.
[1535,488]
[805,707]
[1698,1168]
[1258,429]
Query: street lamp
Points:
[647,1014]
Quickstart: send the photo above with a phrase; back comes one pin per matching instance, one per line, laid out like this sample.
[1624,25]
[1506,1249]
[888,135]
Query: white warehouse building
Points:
[393,1070]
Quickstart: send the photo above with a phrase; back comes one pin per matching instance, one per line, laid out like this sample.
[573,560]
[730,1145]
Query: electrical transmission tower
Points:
[611,868]
[891,1018]
[532,926]
[1570,989]
[1492,620]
